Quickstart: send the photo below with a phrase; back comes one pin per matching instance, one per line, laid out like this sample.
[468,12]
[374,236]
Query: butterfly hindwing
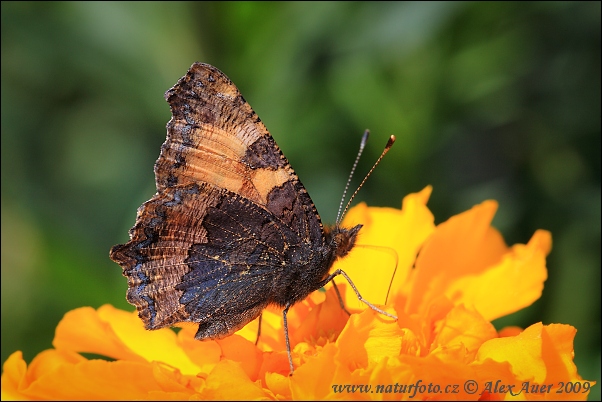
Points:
[231,276]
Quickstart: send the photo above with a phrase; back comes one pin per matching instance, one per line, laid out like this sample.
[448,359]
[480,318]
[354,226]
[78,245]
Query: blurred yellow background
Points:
[487,100]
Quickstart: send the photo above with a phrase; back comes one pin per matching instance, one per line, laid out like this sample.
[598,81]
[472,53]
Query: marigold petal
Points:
[463,327]
[82,330]
[158,345]
[51,360]
[540,354]
[120,335]
[65,375]
[367,338]
[238,349]
[423,325]
[272,331]
[13,377]
[386,247]
[279,385]
[558,352]
[228,381]
[275,362]
[382,375]
[323,322]
[456,380]
[204,354]
[313,379]
[249,331]
[425,378]
[464,245]
[523,352]
[304,321]
[512,284]
[417,225]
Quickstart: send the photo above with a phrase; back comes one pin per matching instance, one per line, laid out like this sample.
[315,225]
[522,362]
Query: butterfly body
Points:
[231,228]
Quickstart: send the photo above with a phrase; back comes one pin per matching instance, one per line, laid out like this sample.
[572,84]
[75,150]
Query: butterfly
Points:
[231,229]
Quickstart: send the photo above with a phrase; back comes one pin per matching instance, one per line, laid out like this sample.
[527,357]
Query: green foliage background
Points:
[487,100]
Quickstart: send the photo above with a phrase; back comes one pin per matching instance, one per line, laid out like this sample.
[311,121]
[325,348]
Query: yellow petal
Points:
[390,238]
[540,354]
[158,345]
[82,330]
[523,352]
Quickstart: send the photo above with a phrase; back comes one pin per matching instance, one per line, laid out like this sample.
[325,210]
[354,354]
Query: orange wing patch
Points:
[215,137]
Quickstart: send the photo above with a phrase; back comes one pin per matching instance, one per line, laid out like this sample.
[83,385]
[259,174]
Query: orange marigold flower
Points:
[451,280]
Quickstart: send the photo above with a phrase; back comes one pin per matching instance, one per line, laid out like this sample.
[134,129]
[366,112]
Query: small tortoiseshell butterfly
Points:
[231,228]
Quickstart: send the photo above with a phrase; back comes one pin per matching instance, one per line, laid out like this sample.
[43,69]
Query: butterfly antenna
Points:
[387,147]
[357,159]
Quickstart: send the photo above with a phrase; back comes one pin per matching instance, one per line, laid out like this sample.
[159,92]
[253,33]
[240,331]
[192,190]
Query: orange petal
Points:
[523,352]
[275,362]
[272,330]
[238,349]
[540,355]
[558,352]
[204,354]
[49,361]
[13,377]
[65,375]
[325,321]
[279,385]
[120,335]
[83,330]
[159,345]
[302,323]
[313,379]
[228,381]
[425,378]
[510,285]
[174,385]
[464,245]
[465,328]
[390,237]
[367,338]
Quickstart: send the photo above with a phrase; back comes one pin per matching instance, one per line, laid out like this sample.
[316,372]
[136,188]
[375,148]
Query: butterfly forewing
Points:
[214,136]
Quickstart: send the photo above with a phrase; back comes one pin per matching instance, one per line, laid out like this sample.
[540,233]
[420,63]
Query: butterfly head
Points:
[342,239]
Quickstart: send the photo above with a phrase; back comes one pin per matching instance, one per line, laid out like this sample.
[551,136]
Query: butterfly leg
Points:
[359,296]
[258,328]
[341,302]
[288,345]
